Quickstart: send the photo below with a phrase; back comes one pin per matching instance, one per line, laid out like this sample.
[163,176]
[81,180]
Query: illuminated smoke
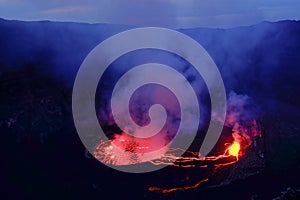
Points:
[241,116]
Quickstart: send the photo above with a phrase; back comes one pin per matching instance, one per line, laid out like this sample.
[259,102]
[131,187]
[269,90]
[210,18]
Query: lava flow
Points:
[111,152]
[125,150]
[122,150]
[178,188]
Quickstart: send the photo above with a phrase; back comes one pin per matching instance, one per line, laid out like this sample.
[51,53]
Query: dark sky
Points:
[168,13]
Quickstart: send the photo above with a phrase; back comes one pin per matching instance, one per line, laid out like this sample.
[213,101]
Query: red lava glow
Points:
[164,191]
[107,152]
[123,150]
[219,161]
[110,153]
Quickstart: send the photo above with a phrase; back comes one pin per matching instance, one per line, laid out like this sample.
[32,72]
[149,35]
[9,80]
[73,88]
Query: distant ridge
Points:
[252,59]
[132,26]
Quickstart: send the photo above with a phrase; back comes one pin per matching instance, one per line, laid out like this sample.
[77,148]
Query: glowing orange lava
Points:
[111,153]
[108,154]
[234,149]
[157,189]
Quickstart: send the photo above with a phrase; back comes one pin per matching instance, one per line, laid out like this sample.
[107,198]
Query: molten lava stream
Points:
[232,151]
[110,155]
[178,188]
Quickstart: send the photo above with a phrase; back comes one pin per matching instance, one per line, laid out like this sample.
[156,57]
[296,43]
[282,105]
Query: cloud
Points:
[74,9]
[219,21]
[167,13]
[9,1]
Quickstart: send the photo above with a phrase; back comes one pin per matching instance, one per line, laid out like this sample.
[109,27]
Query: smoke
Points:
[242,116]
[126,62]
[252,60]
